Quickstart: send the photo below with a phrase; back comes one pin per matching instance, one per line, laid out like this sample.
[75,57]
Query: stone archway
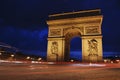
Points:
[68,36]
[62,27]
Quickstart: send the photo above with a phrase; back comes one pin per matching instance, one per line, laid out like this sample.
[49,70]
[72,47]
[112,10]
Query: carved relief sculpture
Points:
[93,49]
[55,32]
[81,29]
[65,26]
[54,48]
[92,30]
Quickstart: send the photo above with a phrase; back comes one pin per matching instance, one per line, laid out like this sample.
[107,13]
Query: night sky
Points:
[23,22]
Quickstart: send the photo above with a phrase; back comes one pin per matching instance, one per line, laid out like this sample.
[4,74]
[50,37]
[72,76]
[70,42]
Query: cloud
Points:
[43,34]
[23,39]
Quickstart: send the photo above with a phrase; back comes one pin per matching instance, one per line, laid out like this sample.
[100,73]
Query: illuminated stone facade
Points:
[63,27]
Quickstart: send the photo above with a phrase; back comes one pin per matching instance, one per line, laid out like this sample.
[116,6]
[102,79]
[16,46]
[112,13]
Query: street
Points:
[51,71]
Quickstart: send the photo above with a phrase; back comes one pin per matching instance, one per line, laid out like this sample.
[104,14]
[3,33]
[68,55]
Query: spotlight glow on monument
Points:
[63,27]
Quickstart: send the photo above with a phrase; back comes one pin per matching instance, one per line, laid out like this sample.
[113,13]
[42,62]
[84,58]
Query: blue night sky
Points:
[23,22]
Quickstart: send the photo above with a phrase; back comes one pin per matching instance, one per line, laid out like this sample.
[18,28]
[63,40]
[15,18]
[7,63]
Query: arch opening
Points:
[68,49]
[76,49]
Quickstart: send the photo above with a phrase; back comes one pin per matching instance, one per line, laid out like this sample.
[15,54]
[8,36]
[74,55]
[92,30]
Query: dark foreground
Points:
[50,71]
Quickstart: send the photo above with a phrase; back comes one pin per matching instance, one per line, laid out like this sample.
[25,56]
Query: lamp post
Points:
[39,59]
[12,56]
[28,58]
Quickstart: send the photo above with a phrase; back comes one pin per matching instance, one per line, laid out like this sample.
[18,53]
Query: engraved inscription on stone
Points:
[55,32]
[92,30]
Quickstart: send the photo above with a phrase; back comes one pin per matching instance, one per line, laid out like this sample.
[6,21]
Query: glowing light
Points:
[39,59]
[28,57]
[89,65]
[72,60]
[117,60]
[105,60]
[111,62]
[0,53]
[12,55]
[116,56]
[51,63]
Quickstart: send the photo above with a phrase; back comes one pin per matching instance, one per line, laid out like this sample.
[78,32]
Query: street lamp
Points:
[105,60]
[28,58]
[39,59]
[12,55]
[72,60]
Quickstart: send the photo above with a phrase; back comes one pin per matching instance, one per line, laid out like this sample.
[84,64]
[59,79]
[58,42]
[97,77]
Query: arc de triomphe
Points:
[63,27]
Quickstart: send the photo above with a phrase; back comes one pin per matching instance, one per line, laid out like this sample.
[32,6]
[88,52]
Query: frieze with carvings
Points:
[55,32]
[92,29]
[81,29]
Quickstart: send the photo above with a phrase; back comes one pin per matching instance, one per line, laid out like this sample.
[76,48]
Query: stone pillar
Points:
[92,48]
[55,49]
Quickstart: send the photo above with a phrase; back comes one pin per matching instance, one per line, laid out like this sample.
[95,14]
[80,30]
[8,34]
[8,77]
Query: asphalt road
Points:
[53,71]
